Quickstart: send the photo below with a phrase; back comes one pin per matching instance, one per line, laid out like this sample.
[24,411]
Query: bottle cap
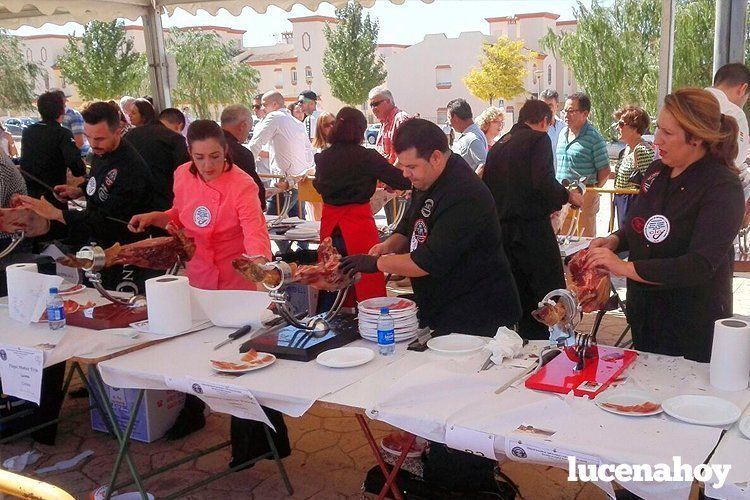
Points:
[384,310]
[53,290]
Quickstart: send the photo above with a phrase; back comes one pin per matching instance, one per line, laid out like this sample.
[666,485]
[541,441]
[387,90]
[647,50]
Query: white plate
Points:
[628,398]
[456,343]
[702,410]
[403,338]
[394,304]
[238,360]
[345,357]
[745,426]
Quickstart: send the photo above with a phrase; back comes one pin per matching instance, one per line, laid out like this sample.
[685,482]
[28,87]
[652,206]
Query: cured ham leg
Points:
[154,253]
[591,286]
[23,219]
[325,275]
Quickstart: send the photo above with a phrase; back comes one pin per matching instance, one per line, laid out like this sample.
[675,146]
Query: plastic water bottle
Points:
[55,310]
[386,333]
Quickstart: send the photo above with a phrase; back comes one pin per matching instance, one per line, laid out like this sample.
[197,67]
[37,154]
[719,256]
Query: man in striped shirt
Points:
[582,152]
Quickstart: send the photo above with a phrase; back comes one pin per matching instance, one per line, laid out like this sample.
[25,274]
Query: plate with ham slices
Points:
[630,403]
[250,361]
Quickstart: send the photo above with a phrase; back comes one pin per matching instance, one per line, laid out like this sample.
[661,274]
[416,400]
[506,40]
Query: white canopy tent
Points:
[728,44]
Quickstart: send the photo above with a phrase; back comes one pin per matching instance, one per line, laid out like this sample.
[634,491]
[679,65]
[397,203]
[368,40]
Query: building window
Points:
[294,75]
[306,41]
[43,54]
[63,82]
[29,54]
[46,80]
[279,78]
[308,75]
[570,76]
[533,74]
[549,75]
[442,116]
[443,77]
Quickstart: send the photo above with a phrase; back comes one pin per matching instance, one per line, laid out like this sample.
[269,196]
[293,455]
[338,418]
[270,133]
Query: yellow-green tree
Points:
[502,70]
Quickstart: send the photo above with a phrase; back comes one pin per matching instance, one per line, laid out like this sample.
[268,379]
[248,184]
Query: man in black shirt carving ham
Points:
[449,242]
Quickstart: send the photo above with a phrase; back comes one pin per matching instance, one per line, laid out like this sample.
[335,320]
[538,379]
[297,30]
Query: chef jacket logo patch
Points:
[638,223]
[427,208]
[656,229]
[110,178]
[419,235]
[646,184]
[202,216]
[91,187]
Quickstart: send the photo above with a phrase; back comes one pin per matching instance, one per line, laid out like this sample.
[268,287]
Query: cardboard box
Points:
[157,413]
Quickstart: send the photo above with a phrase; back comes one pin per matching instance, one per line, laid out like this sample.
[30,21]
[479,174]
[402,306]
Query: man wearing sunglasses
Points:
[582,152]
[308,101]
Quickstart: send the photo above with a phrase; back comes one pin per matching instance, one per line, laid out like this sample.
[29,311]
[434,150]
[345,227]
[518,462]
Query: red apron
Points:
[358,229]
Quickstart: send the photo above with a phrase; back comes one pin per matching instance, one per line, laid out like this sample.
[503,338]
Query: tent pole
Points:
[666,50]
[157,60]
[729,40]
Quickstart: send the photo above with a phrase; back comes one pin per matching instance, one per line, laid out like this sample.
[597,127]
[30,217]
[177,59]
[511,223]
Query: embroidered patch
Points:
[202,216]
[656,229]
[110,178]
[646,184]
[91,187]
[419,235]
[637,223]
[427,208]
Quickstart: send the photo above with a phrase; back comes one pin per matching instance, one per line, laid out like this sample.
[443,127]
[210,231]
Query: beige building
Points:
[46,49]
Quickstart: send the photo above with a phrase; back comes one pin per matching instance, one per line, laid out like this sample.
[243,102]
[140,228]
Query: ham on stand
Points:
[153,253]
[325,275]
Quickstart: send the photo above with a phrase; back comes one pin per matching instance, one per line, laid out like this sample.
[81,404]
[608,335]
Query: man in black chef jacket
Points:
[449,242]
[120,186]
[520,174]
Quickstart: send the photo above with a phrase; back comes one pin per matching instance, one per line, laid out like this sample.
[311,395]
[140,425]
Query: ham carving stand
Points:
[15,240]
[580,186]
[587,368]
[302,337]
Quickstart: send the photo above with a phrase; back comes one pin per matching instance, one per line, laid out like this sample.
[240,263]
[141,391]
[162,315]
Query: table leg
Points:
[123,438]
[277,459]
[390,483]
[390,480]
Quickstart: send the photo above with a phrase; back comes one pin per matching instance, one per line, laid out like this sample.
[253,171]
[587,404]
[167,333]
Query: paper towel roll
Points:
[730,355]
[18,291]
[168,303]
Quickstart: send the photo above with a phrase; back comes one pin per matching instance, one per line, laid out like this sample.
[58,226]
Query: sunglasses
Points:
[256,106]
[375,104]
[621,124]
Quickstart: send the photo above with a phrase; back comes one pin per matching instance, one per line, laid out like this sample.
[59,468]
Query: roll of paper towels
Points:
[21,299]
[730,355]
[168,303]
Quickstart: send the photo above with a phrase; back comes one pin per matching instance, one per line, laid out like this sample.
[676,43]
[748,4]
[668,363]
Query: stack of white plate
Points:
[305,230]
[403,312]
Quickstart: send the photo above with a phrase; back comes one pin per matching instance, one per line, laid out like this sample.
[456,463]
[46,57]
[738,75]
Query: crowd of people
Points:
[478,239]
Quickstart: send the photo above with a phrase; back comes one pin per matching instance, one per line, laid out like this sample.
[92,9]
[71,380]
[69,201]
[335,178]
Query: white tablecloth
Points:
[734,449]
[288,386]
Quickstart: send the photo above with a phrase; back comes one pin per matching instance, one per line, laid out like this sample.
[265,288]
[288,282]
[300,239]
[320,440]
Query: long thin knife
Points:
[74,202]
[241,332]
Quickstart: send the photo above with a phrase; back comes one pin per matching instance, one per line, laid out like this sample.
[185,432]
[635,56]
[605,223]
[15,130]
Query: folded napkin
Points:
[505,344]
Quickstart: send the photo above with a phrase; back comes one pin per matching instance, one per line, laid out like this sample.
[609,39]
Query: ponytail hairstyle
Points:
[201,130]
[697,112]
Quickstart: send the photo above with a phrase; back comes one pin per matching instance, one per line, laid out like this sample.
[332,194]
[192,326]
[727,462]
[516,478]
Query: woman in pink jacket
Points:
[217,204]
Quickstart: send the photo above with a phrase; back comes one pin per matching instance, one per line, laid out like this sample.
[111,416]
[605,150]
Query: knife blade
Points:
[241,332]
[487,363]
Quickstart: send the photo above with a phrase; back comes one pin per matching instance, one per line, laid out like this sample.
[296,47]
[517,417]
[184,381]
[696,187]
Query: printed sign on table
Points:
[21,372]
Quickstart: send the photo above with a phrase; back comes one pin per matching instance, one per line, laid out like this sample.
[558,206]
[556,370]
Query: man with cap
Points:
[308,101]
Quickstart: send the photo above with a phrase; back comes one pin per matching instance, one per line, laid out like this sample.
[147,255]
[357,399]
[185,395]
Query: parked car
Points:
[26,121]
[371,134]
[15,130]
[14,121]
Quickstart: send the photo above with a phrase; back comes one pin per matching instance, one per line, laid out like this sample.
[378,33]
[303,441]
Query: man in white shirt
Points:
[732,89]
[552,98]
[290,153]
[470,144]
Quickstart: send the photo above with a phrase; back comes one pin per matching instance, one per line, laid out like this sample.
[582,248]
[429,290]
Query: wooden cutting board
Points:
[107,316]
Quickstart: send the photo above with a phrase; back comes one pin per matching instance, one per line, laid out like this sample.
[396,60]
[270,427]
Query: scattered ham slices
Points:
[647,407]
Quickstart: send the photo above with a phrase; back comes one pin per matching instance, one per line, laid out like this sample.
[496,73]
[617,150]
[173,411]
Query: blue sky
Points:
[407,23]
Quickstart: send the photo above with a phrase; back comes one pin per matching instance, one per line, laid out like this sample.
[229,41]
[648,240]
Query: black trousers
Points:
[537,267]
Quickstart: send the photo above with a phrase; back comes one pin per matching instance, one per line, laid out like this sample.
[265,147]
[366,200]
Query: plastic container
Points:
[55,310]
[386,333]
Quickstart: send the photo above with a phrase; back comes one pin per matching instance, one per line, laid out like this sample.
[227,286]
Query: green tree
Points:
[207,75]
[693,43]
[103,64]
[503,67]
[349,62]
[19,75]
[613,55]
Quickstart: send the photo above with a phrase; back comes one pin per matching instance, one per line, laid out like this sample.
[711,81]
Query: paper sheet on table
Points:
[70,274]
[230,308]
[21,372]
[222,398]
[28,292]
[470,441]
[144,327]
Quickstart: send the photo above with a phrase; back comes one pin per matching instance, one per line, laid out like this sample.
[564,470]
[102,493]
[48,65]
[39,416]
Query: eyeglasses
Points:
[375,104]
[621,124]
[571,111]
